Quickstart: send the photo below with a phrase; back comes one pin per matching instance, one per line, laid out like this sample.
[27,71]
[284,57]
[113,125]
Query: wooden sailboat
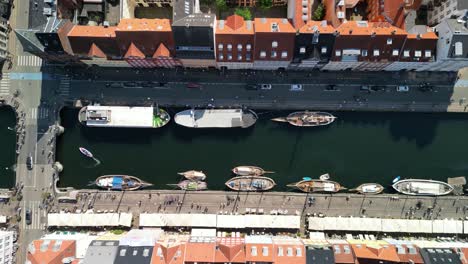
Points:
[121,182]
[307,119]
[249,171]
[189,185]
[369,188]
[193,175]
[310,185]
[250,183]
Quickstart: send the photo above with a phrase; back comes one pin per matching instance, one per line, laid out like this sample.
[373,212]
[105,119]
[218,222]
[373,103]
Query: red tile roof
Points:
[230,249]
[263,25]
[200,252]
[92,31]
[368,28]
[168,254]
[95,51]
[235,22]
[330,12]
[162,51]
[382,252]
[52,253]
[341,257]
[322,26]
[134,52]
[299,12]
[387,11]
[144,24]
[464,259]
[406,257]
[235,25]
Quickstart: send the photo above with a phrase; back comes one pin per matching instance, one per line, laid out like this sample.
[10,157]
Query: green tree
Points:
[221,4]
[266,3]
[319,13]
[244,12]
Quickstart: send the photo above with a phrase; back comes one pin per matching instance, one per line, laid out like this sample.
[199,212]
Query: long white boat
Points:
[422,187]
[216,118]
[123,116]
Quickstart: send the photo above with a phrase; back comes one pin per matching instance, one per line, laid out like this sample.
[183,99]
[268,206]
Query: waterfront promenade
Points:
[287,203]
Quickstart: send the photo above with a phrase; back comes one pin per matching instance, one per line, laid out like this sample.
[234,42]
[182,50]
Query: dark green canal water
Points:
[7,143]
[357,148]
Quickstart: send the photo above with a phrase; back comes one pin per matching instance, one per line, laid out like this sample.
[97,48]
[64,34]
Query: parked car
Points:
[251,87]
[365,88]
[193,85]
[402,88]
[28,216]
[29,162]
[146,84]
[296,87]
[265,86]
[130,84]
[331,87]
[376,88]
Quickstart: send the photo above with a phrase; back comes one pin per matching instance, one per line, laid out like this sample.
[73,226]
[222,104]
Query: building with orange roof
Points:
[374,253]
[259,249]
[313,45]
[254,2]
[362,45]
[342,251]
[200,250]
[51,251]
[230,250]
[234,43]
[299,11]
[274,43]
[392,12]
[170,249]
[288,250]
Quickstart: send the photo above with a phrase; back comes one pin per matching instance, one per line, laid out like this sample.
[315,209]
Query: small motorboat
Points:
[250,183]
[193,175]
[397,178]
[324,177]
[249,171]
[317,186]
[121,182]
[307,119]
[189,185]
[369,188]
[86,152]
[422,187]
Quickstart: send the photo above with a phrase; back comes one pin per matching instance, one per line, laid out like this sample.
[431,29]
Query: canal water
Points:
[356,148]
[7,143]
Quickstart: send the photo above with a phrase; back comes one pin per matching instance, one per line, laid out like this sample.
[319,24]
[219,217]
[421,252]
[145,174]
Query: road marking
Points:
[5,84]
[36,214]
[43,113]
[64,86]
[32,114]
[29,61]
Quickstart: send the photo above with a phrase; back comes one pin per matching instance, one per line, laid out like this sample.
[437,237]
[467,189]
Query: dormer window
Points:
[389,41]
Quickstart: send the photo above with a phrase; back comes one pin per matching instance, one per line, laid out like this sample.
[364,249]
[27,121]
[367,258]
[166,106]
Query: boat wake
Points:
[95,162]
[10,128]
[98,162]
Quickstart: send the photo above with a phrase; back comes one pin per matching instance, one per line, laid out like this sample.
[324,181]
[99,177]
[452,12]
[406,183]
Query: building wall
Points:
[3,39]
[162,62]
[234,48]
[271,44]
[105,62]
[270,65]
[147,3]
[235,65]
[6,247]
[305,51]
[198,63]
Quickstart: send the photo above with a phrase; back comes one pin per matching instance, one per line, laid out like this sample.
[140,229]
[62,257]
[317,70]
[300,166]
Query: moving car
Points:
[193,85]
[402,88]
[28,216]
[296,87]
[29,162]
[265,86]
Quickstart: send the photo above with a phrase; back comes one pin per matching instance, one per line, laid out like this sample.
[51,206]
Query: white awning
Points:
[230,221]
[89,219]
[449,226]
[176,220]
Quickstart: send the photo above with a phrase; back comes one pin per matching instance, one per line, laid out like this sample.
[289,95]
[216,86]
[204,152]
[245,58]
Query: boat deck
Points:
[120,116]
[215,118]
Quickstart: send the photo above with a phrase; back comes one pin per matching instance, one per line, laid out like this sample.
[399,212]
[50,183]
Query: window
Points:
[289,252]
[337,249]
[229,47]
[389,41]
[323,50]
[338,53]
[123,252]
[395,52]
[376,52]
[239,47]
[302,50]
[229,56]
[274,44]
[417,53]
[280,251]
[406,53]
[299,252]
[221,56]
[411,250]
[265,251]
[239,57]
[253,251]
[247,56]
[248,47]
[427,53]
[346,249]
[220,46]
[364,53]
[284,54]
[273,54]
[262,54]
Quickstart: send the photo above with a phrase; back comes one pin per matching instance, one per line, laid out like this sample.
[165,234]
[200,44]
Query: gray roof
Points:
[456,26]
[28,37]
[320,255]
[462,4]
[101,252]
[439,255]
[134,255]
[185,14]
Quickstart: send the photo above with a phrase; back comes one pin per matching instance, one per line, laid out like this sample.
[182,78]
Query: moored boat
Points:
[121,182]
[189,185]
[86,152]
[193,175]
[216,118]
[307,119]
[123,116]
[249,171]
[422,187]
[369,188]
[250,183]
[317,186]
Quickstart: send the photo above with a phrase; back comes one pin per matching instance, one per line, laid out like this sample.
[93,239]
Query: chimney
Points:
[350,31]
[373,34]
[393,32]
[418,36]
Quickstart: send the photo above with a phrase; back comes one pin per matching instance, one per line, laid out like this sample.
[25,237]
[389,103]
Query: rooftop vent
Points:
[285,21]
[323,23]
[274,27]
[362,23]
[340,15]
[263,20]
[105,24]
[221,24]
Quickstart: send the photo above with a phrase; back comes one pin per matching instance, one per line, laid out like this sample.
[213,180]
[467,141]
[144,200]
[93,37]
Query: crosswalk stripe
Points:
[33,113]
[64,86]
[36,214]
[5,84]
[29,60]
